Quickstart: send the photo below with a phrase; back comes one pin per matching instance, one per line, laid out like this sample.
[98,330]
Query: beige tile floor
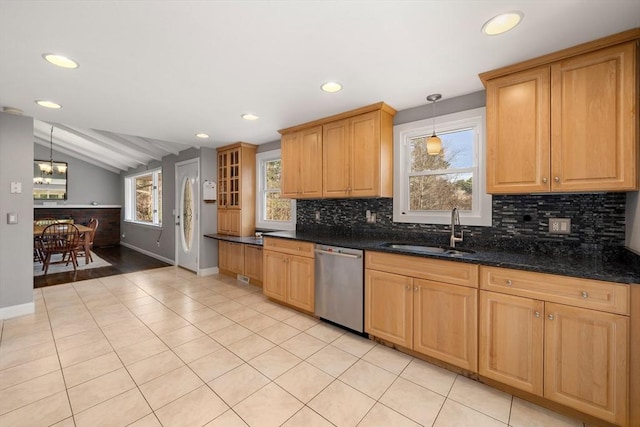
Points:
[166,347]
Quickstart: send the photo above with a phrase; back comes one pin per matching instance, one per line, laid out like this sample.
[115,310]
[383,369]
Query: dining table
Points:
[37,231]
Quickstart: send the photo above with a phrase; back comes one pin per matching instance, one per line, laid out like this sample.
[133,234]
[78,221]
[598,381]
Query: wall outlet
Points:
[559,225]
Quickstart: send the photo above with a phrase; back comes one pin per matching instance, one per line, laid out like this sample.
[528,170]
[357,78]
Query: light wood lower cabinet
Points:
[230,257]
[240,258]
[434,318]
[511,340]
[288,277]
[586,361]
[253,263]
[575,356]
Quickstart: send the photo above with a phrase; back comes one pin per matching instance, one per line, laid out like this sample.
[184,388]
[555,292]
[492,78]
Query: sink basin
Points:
[412,247]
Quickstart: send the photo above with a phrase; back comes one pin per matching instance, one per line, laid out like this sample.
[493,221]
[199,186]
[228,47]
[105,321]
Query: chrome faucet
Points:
[455,219]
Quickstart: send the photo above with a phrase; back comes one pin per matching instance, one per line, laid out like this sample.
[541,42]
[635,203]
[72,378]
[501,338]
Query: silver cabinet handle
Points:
[550,317]
[556,178]
[415,288]
[407,287]
[544,179]
[509,282]
[585,294]
[321,252]
[537,314]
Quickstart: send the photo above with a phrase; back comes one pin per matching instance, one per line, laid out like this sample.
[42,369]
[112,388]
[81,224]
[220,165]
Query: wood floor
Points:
[122,260]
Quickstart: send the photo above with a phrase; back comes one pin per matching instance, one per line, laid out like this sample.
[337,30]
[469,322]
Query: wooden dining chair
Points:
[88,236]
[59,239]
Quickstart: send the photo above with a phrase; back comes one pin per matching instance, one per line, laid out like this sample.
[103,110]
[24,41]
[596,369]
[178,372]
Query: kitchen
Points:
[513,222]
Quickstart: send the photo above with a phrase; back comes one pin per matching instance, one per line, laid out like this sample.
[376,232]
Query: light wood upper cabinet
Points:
[594,121]
[346,155]
[511,340]
[567,124]
[289,272]
[302,163]
[236,189]
[518,132]
[586,361]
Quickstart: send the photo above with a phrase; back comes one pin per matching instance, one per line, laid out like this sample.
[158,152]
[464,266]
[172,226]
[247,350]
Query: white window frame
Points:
[261,160]
[130,198]
[403,134]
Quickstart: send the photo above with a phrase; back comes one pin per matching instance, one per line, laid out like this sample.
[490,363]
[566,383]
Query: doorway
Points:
[188,214]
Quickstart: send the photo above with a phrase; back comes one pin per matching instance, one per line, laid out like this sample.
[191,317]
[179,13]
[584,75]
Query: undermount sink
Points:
[412,247]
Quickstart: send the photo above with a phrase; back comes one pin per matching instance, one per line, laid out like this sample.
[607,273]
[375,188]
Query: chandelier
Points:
[47,168]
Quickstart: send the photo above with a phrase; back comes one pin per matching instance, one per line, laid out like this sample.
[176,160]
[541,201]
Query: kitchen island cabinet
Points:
[565,122]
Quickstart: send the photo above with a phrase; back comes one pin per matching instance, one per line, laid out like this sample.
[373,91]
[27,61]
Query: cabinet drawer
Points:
[293,247]
[458,273]
[593,294]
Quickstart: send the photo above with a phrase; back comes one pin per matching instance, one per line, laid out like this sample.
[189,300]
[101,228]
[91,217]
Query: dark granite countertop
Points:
[249,240]
[623,267]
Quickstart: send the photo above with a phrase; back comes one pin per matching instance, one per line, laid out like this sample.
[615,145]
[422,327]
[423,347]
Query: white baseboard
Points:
[148,253]
[208,271]
[17,310]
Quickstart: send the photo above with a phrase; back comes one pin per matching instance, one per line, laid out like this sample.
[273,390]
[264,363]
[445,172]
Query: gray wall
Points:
[208,211]
[633,222]
[157,240]
[86,183]
[16,241]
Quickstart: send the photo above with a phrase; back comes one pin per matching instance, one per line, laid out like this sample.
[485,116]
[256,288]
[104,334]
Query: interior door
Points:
[187,214]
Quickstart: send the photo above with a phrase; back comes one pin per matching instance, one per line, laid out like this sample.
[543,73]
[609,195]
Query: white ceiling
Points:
[165,70]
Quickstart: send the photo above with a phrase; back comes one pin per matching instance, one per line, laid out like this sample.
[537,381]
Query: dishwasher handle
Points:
[322,252]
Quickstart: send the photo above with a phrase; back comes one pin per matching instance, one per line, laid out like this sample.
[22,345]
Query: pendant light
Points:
[46,168]
[434,144]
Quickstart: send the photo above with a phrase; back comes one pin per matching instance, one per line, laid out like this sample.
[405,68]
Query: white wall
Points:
[16,240]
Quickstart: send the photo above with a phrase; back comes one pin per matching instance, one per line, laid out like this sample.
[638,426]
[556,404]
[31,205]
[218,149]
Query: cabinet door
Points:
[224,255]
[234,225]
[446,322]
[311,162]
[518,132]
[223,179]
[291,156]
[594,119]
[336,152]
[389,307]
[511,340]
[300,287]
[253,263]
[236,258]
[275,275]
[364,134]
[586,361]
[223,221]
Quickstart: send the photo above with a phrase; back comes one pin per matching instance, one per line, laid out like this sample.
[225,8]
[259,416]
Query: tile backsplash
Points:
[519,222]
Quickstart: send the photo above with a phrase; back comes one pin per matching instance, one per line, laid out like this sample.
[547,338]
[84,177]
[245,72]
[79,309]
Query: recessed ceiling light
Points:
[250,116]
[331,87]
[59,60]
[202,135]
[502,23]
[48,104]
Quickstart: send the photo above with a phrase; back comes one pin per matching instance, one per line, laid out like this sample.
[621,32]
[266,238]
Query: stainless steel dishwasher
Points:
[339,280]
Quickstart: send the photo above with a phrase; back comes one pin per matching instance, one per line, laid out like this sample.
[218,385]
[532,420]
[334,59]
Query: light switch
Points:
[16,187]
[12,218]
